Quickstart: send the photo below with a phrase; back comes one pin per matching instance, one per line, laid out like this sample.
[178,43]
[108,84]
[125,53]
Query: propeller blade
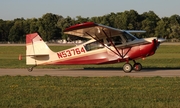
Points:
[160,40]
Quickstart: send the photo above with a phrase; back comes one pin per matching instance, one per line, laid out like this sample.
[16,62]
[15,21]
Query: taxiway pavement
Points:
[91,72]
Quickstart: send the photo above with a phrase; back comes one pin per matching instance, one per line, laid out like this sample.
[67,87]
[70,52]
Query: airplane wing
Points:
[95,31]
[92,30]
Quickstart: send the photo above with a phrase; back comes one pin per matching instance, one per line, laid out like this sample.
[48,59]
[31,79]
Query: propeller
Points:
[160,40]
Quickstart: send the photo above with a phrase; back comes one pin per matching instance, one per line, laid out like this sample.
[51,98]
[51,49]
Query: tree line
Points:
[50,26]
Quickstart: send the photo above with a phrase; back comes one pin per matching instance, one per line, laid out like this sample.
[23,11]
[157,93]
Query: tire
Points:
[30,69]
[127,68]
[137,67]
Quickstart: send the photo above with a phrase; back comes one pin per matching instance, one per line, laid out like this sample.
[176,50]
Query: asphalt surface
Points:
[91,72]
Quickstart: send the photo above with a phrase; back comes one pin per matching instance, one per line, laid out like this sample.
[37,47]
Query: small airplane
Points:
[105,45]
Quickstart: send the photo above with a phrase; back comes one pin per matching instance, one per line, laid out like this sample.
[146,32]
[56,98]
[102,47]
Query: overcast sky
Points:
[11,9]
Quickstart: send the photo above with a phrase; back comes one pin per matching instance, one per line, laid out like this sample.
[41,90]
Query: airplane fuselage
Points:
[99,55]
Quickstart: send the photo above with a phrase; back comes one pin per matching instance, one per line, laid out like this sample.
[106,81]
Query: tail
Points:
[36,49]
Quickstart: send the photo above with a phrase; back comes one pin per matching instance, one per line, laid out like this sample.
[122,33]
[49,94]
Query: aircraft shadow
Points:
[120,69]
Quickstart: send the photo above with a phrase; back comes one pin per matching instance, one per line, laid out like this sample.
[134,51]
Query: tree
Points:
[162,28]
[17,33]
[64,23]
[5,27]
[2,30]
[149,23]
[174,25]
[48,27]
[33,27]
[80,19]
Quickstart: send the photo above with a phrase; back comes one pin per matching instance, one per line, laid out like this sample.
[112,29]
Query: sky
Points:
[12,9]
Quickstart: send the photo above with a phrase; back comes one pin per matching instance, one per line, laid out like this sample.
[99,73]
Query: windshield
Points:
[128,37]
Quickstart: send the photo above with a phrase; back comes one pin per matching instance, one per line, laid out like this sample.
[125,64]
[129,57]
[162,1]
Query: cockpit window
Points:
[116,40]
[128,37]
[94,45]
[120,39]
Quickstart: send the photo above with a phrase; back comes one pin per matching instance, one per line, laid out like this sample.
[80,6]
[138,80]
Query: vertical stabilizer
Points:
[35,47]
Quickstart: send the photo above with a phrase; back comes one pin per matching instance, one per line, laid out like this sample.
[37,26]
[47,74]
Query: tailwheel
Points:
[127,68]
[137,66]
[30,69]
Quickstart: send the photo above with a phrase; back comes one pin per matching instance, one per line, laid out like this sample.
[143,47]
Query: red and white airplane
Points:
[105,45]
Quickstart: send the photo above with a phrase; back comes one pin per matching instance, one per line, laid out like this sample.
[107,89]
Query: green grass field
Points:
[90,92]
[84,92]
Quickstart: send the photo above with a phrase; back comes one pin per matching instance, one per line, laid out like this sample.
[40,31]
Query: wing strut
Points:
[126,52]
[117,52]
[104,44]
[95,38]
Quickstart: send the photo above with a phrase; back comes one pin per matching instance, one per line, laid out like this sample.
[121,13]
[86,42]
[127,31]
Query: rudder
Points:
[35,47]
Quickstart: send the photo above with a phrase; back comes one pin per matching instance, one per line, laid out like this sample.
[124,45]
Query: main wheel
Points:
[127,68]
[137,66]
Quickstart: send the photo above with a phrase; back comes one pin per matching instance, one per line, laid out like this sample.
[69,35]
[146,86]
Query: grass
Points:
[90,92]
[96,92]
[167,56]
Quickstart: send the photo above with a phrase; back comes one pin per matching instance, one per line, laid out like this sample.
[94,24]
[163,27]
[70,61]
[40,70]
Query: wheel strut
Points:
[30,69]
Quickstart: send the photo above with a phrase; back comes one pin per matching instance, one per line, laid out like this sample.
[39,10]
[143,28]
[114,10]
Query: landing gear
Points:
[127,67]
[30,69]
[137,67]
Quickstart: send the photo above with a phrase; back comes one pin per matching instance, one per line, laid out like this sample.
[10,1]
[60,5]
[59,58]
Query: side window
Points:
[116,40]
[94,45]
[128,37]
